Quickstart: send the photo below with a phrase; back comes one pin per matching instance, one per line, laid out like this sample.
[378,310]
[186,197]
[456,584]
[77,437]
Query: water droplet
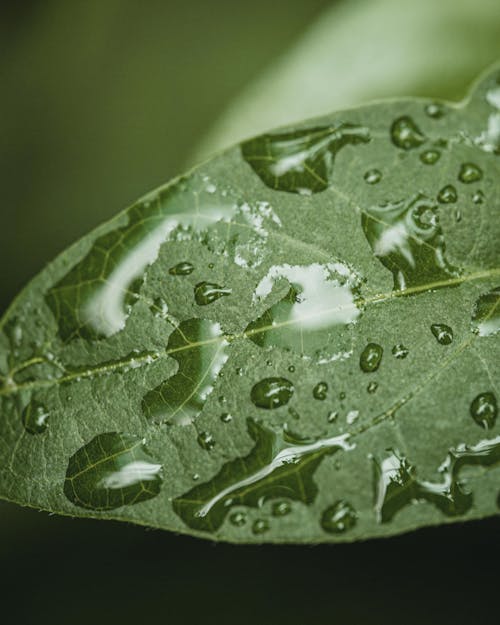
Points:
[447,195]
[208,292]
[352,416]
[238,519]
[332,416]
[371,357]
[486,313]
[478,197]
[278,466]
[281,508]
[111,471]
[434,110]
[373,176]
[342,396]
[372,387]
[211,188]
[200,350]
[400,351]
[429,157]
[239,371]
[211,265]
[35,418]
[226,417]
[405,134]
[458,216]
[320,390]
[407,238]
[181,269]
[339,517]
[206,441]
[442,332]
[300,161]
[260,526]
[291,369]
[469,173]
[484,410]
[159,308]
[272,393]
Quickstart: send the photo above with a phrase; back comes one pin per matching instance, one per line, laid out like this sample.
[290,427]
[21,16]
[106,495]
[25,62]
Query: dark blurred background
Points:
[101,101]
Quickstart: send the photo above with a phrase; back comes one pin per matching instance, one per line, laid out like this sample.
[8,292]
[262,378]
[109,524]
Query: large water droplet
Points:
[371,357]
[207,292]
[408,239]
[321,301]
[320,390]
[200,350]
[339,517]
[181,269]
[35,418]
[111,471]
[300,161]
[447,195]
[272,393]
[442,332]
[486,313]
[469,173]
[405,134]
[484,410]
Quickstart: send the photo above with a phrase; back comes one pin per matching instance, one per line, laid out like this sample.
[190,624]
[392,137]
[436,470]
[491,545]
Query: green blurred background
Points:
[102,100]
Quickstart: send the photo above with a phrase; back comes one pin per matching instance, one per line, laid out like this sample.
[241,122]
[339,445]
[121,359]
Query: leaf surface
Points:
[297,341]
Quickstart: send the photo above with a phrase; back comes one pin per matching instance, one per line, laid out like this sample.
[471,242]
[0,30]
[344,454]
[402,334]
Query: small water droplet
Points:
[486,313]
[239,371]
[159,308]
[291,369]
[447,195]
[373,176]
[206,441]
[226,417]
[442,332]
[211,188]
[35,418]
[370,358]
[272,393]
[339,517]
[429,157]
[372,387]
[400,351]
[281,508]
[238,519]
[181,269]
[332,416]
[260,526]
[434,110]
[208,292]
[478,197]
[405,134]
[469,173]
[320,390]
[484,410]
[342,396]
[458,216]
[196,477]
[352,416]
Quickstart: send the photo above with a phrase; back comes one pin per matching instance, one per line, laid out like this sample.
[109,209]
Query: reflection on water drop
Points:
[373,176]
[238,519]
[200,350]
[35,418]
[400,351]
[277,467]
[469,173]
[320,390]
[372,387]
[405,134]
[442,332]
[371,357]
[407,238]
[447,195]
[281,508]
[272,393]
[181,269]
[260,526]
[339,517]
[300,161]
[207,292]
[111,471]
[321,301]
[434,110]
[429,157]
[206,441]
[486,313]
[484,410]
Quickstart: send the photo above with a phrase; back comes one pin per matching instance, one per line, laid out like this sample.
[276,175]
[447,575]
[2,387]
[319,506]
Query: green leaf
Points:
[297,341]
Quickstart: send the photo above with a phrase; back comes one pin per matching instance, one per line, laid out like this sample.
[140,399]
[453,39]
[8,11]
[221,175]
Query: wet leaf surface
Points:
[296,342]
